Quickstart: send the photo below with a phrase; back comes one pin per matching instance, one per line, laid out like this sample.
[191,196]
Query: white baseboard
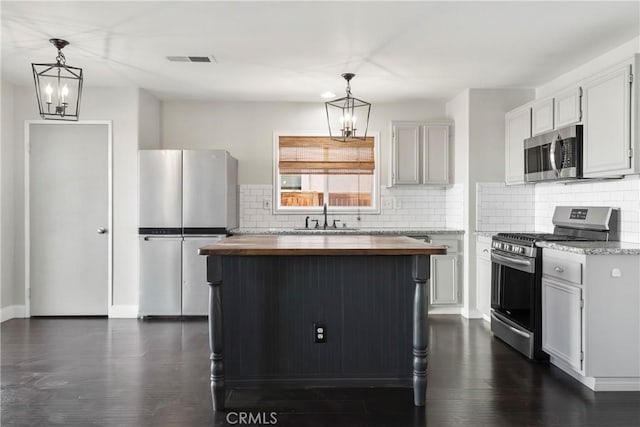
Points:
[617,384]
[598,383]
[123,311]
[444,310]
[486,317]
[11,312]
[471,313]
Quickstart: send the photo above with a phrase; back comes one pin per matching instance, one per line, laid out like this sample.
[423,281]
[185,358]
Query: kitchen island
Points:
[340,265]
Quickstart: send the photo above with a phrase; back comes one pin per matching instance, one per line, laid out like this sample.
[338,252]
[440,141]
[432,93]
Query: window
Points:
[313,170]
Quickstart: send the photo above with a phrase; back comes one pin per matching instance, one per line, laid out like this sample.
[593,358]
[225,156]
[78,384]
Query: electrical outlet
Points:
[387,203]
[319,333]
[396,203]
[266,203]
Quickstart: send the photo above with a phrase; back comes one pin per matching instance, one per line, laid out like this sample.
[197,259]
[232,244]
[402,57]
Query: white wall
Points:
[587,69]
[148,121]
[479,155]
[246,129]
[121,106]
[7,206]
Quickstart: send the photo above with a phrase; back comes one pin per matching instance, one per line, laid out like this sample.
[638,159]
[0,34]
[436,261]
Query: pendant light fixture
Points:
[347,116]
[58,87]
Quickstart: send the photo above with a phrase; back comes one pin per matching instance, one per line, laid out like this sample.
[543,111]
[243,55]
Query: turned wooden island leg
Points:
[214,279]
[420,328]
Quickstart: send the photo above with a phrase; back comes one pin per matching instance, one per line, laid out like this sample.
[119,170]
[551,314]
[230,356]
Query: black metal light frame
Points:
[61,74]
[347,106]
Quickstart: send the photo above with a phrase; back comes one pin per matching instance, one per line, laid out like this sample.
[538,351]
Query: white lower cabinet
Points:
[445,273]
[444,279]
[591,317]
[562,321]
[483,276]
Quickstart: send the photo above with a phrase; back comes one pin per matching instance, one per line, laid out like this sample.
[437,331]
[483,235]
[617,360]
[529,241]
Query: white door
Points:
[68,219]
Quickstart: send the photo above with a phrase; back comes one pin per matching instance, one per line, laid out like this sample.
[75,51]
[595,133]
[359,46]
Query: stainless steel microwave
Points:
[554,155]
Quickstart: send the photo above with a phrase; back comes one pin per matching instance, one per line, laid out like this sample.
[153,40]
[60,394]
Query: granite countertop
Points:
[486,233]
[320,245]
[421,231]
[594,248]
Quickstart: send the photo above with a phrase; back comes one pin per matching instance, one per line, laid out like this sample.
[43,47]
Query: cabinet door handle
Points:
[558,269]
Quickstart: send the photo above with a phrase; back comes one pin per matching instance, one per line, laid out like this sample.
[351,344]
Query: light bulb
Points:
[49,91]
[65,93]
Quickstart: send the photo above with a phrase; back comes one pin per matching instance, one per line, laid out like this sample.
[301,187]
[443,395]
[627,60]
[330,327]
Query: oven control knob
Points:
[507,247]
[519,250]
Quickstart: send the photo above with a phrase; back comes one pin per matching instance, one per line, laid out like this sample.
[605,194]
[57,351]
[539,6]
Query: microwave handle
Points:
[552,156]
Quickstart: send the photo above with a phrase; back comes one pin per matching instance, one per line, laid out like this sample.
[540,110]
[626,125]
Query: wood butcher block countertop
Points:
[321,245]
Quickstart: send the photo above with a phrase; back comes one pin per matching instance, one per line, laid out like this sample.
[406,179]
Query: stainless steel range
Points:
[516,271]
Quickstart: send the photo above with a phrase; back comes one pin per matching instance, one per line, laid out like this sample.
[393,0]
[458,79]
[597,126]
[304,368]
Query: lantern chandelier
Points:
[345,114]
[58,87]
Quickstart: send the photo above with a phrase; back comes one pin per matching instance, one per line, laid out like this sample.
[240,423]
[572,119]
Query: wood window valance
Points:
[321,155]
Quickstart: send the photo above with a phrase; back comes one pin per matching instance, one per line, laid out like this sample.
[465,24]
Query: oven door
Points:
[513,283]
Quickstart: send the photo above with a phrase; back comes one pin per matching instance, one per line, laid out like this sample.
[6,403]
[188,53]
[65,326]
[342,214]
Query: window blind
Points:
[321,155]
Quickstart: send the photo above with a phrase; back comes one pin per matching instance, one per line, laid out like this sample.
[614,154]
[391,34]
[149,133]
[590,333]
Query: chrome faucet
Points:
[324,212]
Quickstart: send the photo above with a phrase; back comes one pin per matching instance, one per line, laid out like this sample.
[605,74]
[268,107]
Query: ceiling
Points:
[294,51]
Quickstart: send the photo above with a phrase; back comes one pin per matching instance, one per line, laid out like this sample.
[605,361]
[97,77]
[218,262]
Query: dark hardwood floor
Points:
[125,372]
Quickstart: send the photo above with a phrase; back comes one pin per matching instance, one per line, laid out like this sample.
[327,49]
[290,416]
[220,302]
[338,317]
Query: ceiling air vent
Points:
[209,58]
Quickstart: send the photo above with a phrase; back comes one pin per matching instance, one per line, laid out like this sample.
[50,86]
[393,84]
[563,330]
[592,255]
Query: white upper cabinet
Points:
[607,106]
[542,116]
[607,145]
[406,154]
[420,153]
[567,107]
[517,129]
[435,166]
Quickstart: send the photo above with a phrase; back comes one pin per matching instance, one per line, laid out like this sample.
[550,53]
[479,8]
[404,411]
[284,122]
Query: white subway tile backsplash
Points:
[504,208]
[531,208]
[416,207]
[623,194]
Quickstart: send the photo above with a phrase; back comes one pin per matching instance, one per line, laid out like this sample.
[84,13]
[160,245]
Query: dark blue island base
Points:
[271,304]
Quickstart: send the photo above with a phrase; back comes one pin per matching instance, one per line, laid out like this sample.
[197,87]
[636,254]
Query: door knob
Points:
[102,230]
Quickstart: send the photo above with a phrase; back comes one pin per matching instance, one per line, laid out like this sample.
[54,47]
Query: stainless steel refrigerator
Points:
[187,199]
